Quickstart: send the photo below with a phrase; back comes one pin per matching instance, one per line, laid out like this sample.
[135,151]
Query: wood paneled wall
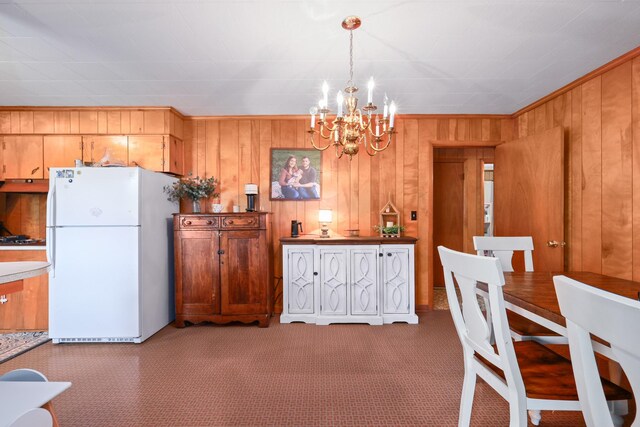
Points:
[99,120]
[237,151]
[601,119]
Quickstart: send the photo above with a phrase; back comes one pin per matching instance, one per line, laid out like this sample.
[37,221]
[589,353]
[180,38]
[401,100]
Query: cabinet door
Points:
[29,308]
[243,267]
[61,151]
[97,147]
[197,283]
[364,279]
[299,285]
[174,156]
[22,157]
[146,151]
[333,281]
[395,280]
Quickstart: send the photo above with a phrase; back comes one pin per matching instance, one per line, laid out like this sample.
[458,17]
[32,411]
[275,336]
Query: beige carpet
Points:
[284,375]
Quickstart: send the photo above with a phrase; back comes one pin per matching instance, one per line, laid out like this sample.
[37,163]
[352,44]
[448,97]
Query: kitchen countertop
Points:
[34,247]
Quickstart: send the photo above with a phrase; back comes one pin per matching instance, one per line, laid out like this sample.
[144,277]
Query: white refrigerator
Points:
[109,240]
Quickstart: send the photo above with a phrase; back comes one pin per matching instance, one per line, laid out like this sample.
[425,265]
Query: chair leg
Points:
[466,400]
[618,409]
[49,407]
[535,416]
[517,410]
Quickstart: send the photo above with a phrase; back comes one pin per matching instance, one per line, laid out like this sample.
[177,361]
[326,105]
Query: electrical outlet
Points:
[414,215]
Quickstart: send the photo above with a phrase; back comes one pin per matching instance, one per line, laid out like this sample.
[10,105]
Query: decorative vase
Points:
[196,206]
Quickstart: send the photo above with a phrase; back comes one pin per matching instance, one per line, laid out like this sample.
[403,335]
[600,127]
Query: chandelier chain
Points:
[351,58]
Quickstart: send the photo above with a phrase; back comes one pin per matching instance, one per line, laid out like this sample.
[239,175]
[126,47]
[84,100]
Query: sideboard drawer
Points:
[198,221]
[252,221]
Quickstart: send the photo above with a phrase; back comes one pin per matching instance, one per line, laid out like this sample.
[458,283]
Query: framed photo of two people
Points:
[295,174]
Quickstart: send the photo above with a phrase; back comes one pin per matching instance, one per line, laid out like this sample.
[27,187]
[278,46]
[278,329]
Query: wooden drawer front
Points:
[194,222]
[241,222]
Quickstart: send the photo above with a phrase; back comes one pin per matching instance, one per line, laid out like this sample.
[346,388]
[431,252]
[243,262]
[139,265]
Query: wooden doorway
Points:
[448,211]
[458,200]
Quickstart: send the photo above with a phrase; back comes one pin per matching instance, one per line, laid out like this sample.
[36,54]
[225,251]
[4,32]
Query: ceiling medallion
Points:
[347,132]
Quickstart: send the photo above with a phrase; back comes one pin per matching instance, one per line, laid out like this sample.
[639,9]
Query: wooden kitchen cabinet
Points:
[27,310]
[223,268]
[61,151]
[161,153]
[95,148]
[22,157]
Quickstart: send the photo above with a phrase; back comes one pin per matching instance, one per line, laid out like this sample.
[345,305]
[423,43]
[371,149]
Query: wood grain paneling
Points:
[356,190]
[601,119]
[617,158]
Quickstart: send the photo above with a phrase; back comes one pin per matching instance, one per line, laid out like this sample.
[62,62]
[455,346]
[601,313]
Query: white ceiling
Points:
[234,57]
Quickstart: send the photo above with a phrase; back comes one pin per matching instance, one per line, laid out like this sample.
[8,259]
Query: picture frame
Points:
[290,180]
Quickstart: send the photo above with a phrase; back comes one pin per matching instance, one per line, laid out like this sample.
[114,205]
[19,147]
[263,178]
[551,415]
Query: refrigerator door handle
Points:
[50,230]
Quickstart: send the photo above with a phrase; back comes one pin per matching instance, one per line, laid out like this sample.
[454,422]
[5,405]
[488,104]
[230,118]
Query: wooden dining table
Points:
[533,295]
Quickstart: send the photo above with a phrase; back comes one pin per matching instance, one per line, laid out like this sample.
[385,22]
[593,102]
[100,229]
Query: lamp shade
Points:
[251,189]
[325,215]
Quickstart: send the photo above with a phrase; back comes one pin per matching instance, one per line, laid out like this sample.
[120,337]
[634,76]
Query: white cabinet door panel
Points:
[396,278]
[364,279]
[333,281]
[300,286]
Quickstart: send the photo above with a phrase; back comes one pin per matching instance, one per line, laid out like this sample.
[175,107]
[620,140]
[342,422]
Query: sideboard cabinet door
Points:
[364,280]
[398,283]
[333,281]
[197,278]
[242,269]
[299,296]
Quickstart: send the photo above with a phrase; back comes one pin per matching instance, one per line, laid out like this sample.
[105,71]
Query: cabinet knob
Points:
[209,222]
[389,254]
[220,251]
[230,221]
[188,222]
[380,254]
[315,273]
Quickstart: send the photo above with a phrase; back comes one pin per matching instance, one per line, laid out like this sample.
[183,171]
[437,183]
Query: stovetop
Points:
[20,240]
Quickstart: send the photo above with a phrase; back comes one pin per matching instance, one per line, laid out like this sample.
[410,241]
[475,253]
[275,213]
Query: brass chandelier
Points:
[348,132]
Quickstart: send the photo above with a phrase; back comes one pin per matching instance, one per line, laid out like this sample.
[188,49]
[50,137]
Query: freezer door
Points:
[93,196]
[93,291]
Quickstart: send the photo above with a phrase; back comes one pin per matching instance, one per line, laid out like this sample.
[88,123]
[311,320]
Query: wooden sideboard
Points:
[223,268]
[348,280]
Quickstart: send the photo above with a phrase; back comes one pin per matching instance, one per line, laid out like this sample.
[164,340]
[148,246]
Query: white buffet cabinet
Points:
[348,280]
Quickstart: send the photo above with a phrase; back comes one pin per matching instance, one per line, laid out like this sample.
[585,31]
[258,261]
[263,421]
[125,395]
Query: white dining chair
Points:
[36,417]
[525,373]
[611,317]
[503,248]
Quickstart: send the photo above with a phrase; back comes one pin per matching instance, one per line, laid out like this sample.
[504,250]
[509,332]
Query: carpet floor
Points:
[15,344]
[284,375]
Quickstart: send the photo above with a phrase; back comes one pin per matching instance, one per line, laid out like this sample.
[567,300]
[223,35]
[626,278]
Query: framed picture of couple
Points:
[295,174]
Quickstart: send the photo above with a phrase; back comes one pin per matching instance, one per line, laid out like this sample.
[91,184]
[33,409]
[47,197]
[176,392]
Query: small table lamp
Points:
[325,216]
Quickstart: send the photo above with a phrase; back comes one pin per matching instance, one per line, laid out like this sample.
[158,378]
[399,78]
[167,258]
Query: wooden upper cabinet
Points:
[22,157]
[146,151]
[174,156]
[61,151]
[96,147]
[159,153]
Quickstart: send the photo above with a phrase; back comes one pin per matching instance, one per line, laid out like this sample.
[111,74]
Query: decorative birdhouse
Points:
[390,221]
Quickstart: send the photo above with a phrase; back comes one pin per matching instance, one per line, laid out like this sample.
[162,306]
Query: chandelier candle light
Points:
[347,132]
